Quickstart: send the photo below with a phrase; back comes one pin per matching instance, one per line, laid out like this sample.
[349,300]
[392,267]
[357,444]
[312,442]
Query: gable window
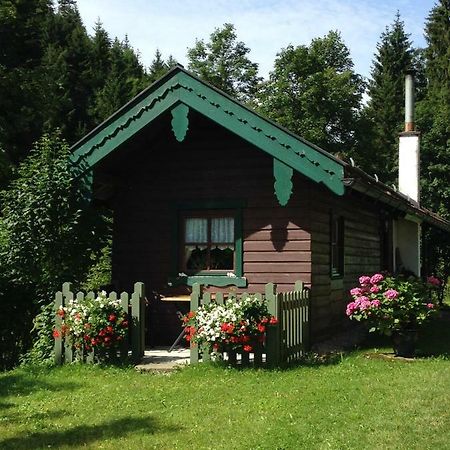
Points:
[337,246]
[208,243]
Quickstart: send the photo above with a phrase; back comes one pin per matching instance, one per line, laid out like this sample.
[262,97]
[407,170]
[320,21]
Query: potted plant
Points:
[394,306]
[237,326]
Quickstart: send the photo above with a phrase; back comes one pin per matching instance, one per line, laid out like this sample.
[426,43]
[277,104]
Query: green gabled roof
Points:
[179,87]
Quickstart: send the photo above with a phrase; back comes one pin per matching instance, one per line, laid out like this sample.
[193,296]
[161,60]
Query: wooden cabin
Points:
[205,190]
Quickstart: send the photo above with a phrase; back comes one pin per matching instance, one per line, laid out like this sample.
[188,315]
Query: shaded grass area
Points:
[357,402]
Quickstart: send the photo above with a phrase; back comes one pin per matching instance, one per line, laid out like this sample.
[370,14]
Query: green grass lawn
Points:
[358,402]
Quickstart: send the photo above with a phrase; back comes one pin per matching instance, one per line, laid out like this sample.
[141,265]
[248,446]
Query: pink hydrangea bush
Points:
[390,304]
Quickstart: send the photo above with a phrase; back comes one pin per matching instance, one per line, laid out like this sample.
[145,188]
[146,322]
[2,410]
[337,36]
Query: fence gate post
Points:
[197,291]
[59,303]
[138,322]
[273,343]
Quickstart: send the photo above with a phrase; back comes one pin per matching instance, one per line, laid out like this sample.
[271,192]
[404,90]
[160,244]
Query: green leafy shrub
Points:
[46,230]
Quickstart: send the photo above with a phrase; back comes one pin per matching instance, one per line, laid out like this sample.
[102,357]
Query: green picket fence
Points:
[133,344]
[285,342]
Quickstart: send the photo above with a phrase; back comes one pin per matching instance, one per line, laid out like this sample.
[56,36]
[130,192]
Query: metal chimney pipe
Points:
[409,101]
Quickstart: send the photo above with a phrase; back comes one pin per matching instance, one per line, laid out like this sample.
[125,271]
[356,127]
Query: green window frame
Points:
[337,232]
[208,209]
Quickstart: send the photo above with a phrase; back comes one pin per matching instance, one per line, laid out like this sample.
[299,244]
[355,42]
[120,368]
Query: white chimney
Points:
[409,147]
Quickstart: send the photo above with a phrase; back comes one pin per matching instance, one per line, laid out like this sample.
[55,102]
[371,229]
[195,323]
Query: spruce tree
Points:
[22,37]
[159,67]
[126,78]
[385,110]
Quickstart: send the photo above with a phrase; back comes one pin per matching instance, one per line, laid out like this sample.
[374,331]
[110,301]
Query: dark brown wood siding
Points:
[155,173]
[362,255]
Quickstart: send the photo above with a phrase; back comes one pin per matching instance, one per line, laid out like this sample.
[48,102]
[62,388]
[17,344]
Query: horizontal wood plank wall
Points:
[156,171]
[362,255]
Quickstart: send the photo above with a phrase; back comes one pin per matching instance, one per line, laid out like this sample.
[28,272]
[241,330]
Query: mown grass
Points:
[357,402]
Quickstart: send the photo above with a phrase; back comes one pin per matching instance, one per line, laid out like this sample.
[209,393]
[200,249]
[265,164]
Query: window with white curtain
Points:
[208,242]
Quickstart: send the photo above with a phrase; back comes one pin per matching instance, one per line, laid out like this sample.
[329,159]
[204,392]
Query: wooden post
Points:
[197,291]
[67,296]
[273,342]
[59,303]
[307,328]
[124,301]
[138,326]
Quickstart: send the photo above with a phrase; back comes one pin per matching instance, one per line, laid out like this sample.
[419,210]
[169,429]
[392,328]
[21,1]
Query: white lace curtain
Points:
[222,230]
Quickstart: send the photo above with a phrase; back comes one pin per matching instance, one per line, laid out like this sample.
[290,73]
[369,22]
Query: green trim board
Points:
[208,280]
[179,87]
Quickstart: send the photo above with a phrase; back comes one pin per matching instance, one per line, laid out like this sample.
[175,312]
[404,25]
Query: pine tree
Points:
[385,110]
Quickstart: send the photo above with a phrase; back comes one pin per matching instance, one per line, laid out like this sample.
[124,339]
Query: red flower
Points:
[101,333]
[273,321]
[234,339]
[264,320]
[227,327]
[245,338]
[112,318]
[109,329]
[187,337]
[124,324]
[60,312]
[107,339]
[94,342]
[248,348]
[56,333]
[191,314]
[261,328]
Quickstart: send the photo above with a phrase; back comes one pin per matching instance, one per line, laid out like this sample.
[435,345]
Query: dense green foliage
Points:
[54,75]
[224,63]
[314,92]
[357,401]
[434,122]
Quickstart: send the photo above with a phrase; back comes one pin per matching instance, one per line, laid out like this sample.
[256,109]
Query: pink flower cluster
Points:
[368,285]
[434,281]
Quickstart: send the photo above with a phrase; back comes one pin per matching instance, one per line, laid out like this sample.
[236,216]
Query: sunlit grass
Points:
[358,402]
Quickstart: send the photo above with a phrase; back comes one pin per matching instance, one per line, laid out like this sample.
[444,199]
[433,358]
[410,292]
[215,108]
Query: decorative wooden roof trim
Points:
[180,87]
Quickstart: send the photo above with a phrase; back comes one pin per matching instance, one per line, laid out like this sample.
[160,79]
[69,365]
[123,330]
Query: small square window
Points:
[208,242]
